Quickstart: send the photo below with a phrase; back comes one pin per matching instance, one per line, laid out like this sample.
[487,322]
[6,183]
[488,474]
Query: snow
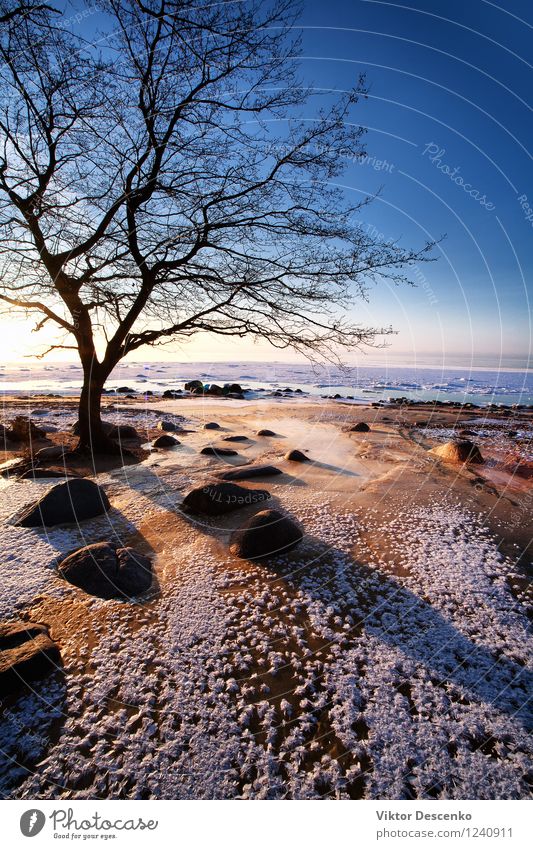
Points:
[322,674]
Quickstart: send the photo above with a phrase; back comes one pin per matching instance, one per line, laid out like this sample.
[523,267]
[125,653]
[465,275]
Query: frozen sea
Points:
[365,384]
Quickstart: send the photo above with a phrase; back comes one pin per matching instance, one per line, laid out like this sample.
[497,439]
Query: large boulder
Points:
[26,652]
[215,499]
[211,426]
[218,451]
[22,429]
[232,388]
[108,571]
[458,451]
[166,425]
[165,441]
[72,501]
[245,472]
[267,534]
[265,432]
[296,456]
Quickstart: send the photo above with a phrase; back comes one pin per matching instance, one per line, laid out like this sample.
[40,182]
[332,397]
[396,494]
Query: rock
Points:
[265,432]
[245,472]
[24,430]
[36,473]
[215,499]
[267,534]
[232,388]
[108,571]
[72,501]
[296,456]
[458,451]
[165,441]
[194,386]
[125,389]
[236,439]
[26,652]
[169,393]
[360,427]
[467,432]
[107,427]
[123,432]
[211,426]
[51,452]
[165,425]
[214,390]
[218,451]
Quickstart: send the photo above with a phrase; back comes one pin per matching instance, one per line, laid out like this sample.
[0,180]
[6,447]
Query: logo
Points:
[32,822]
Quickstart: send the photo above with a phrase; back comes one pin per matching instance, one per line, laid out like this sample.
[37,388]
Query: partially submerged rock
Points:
[108,571]
[218,451]
[166,425]
[211,426]
[72,501]
[215,499]
[267,534]
[123,432]
[296,456]
[245,472]
[458,451]
[165,441]
[26,653]
[265,432]
[236,438]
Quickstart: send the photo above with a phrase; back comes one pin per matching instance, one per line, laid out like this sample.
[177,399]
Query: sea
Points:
[481,385]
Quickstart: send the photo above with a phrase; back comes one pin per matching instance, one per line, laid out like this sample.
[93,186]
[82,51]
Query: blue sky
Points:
[456,76]
[449,101]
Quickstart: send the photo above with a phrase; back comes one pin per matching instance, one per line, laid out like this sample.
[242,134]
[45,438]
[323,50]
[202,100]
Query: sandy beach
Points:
[384,657]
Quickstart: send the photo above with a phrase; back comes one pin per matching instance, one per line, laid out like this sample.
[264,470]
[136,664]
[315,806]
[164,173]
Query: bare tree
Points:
[168,176]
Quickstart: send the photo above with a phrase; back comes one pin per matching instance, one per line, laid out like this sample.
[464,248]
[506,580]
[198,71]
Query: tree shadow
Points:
[391,613]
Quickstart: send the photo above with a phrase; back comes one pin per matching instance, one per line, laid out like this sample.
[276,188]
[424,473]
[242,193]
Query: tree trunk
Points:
[92,439]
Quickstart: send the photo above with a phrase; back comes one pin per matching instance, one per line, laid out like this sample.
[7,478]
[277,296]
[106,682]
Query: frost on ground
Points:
[383,658]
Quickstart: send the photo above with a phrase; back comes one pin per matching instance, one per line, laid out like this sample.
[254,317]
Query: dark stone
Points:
[218,451]
[265,432]
[360,427]
[165,441]
[211,426]
[107,571]
[23,429]
[245,472]
[165,425]
[125,389]
[467,432]
[72,501]
[35,473]
[236,439]
[233,388]
[215,499]
[26,652]
[123,432]
[214,390]
[194,386]
[107,427]
[267,534]
[296,456]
